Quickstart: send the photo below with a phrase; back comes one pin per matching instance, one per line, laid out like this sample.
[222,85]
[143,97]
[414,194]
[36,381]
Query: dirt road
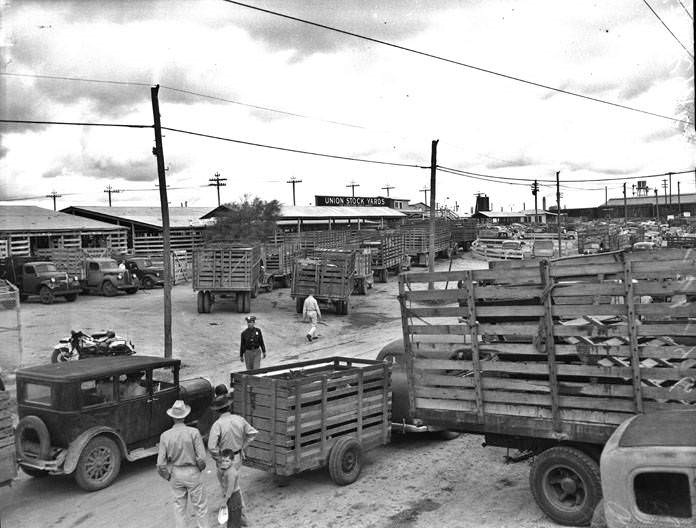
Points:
[413,482]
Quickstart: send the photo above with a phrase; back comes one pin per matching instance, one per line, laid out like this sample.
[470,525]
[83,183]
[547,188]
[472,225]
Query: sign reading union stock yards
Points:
[354,201]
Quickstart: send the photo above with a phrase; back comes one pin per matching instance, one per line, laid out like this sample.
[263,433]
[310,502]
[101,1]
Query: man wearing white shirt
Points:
[310,310]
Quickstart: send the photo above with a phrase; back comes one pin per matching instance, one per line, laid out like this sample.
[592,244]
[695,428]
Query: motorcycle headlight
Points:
[120,276]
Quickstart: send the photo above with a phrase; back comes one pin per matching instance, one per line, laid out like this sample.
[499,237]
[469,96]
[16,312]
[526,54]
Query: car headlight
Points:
[75,278]
[53,279]
[120,276]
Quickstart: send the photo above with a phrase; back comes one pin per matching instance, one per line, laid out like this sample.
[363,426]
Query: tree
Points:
[248,221]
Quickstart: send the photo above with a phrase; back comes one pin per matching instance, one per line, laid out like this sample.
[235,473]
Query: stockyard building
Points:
[144,225]
[26,229]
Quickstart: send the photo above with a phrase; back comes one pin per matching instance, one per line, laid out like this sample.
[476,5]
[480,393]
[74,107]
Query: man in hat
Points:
[229,432]
[181,460]
[252,345]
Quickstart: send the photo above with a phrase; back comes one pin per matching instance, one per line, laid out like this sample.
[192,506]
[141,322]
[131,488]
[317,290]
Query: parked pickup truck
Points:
[82,418]
[148,274]
[39,277]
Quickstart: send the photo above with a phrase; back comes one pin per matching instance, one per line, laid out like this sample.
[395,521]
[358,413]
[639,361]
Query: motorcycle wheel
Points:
[61,355]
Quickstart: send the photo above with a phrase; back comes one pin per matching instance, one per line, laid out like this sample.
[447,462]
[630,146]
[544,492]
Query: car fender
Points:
[76,446]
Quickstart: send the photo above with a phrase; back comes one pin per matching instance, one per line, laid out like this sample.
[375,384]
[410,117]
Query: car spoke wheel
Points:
[99,464]
[46,295]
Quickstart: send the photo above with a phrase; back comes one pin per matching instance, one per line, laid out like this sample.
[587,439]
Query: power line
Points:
[456,62]
[76,123]
[667,28]
[296,151]
[685,9]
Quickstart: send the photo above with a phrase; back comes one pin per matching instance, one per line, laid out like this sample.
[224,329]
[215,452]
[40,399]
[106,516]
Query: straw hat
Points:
[179,410]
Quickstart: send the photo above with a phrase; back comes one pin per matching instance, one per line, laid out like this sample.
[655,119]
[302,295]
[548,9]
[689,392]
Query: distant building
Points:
[24,229]
[519,217]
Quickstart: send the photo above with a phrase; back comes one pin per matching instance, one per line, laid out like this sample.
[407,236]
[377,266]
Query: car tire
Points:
[131,291]
[345,461]
[148,283]
[108,289]
[40,432]
[71,297]
[566,485]
[99,464]
[33,472]
[46,295]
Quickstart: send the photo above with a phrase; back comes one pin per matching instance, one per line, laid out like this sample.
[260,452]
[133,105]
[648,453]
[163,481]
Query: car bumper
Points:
[53,467]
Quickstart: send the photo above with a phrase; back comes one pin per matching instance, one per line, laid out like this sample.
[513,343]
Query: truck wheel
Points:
[599,519]
[362,286]
[247,302]
[254,290]
[108,289]
[32,432]
[448,435]
[345,461]
[384,275]
[299,304]
[148,283]
[207,302]
[346,307]
[23,297]
[71,297]
[240,302]
[566,485]
[199,301]
[99,464]
[46,295]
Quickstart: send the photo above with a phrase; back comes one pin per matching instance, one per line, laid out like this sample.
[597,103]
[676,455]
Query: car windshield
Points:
[45,268]
[144,263]
[109,266]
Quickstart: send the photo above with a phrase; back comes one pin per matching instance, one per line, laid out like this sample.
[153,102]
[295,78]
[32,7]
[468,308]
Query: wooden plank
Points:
[633,336]
[549,346]
[272,433]
[475,356]
[408,350]
[323,453]
[360,403]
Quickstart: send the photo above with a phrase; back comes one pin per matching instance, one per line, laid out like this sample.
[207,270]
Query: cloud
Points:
[136,171]
[519,161]
[660,135]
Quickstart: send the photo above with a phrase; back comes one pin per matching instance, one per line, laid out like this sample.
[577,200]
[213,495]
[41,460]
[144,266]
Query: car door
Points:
[134,408]
[93,273]
[164,383]
[29,279]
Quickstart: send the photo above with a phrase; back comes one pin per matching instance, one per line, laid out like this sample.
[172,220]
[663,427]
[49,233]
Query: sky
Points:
[236,73]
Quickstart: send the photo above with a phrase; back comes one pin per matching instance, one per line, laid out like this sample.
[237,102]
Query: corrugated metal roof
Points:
[27,218]
[316,211]
[179,217]
[645,200]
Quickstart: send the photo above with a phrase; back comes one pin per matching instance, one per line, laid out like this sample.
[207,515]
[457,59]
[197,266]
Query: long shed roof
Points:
[645,200]
[179,217]
[315,212]
[30,218]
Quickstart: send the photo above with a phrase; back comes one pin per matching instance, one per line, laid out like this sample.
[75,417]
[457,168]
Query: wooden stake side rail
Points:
[226,268]
[555,344]
[302,409]
[8,456]
[325,279]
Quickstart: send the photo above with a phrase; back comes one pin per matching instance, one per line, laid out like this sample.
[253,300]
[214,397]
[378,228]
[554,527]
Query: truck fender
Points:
[76,446]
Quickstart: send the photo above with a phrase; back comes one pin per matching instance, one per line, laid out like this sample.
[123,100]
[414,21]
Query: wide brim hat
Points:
[221,402]
[179,410]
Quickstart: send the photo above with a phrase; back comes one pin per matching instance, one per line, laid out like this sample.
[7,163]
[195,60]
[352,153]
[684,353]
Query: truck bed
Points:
[226,268]
[581,355]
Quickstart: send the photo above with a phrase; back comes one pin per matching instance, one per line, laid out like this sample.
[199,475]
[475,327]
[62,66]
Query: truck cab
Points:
[148,274]
[104,276]
[42,278]
[648,470]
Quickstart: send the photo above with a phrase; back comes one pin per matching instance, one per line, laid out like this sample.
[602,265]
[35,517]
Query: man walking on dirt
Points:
[252,345]
[181,460]
[310,310]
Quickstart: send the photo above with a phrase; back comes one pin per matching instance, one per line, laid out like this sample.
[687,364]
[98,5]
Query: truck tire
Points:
[346,307]
[566,485]
[240,302]
[247,302]
[46,295]
[108,289]
[599,519]
[345,461]
[384,275]
[199,302]
[207,302]
[71,297]
[148,283]
[32,429]
[299,304]
[254,292]
[99,464]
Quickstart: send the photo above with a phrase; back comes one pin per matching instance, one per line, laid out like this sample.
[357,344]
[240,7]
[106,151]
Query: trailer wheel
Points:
[46,295]
[383,275]
[566,485]
[207,302]
[299,304]
[362,287]
[345,461]
[247,302]
[199,301]
[254,290]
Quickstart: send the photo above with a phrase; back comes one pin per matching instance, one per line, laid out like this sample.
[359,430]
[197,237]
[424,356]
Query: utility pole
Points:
[158,151]
[670,187]
[657,206]
[679,197]
[54,195]
[535,192]
[625,205]
[386,188]
[558,205]
[633,189]
[606,195]
[217,182]
[664,186]
[352,186]
[110,190]
[425,191]
[431,241]
[294,181]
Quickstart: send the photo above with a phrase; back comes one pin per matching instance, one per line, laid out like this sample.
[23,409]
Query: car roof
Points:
[70,371]
[664,428]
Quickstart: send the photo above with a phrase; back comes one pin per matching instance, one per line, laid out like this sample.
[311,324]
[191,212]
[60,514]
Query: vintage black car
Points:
[148,274]
[84,417]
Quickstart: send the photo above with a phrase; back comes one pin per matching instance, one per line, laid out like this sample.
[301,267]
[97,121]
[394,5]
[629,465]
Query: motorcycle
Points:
[81,346]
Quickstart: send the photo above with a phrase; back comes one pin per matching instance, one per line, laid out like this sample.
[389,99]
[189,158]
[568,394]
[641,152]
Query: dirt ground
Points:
[416,481]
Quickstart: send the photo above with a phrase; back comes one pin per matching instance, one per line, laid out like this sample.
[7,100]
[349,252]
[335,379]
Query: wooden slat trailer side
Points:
[225,271]
[316,413]
[278,261]
[550,357]
[388,252]
[417,239]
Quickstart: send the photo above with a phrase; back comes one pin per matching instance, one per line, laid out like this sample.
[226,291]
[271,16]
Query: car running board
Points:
[142,452]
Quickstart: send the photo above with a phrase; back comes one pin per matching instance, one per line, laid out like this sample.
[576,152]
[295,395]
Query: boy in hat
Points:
[180,460]
[252,345]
